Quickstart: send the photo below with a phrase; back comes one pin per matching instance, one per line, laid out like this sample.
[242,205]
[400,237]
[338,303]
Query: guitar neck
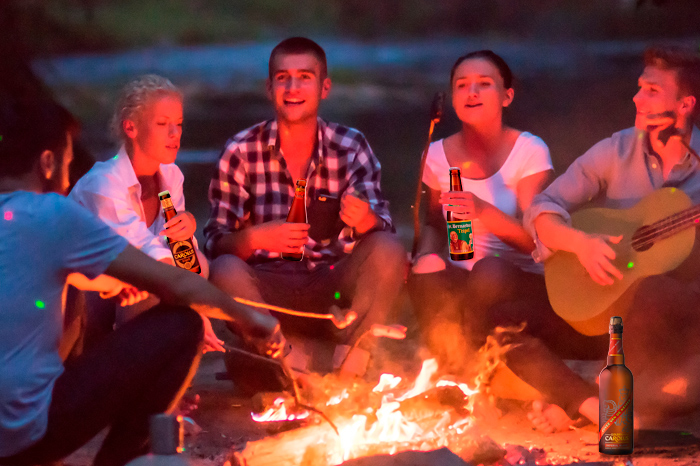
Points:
[674,223]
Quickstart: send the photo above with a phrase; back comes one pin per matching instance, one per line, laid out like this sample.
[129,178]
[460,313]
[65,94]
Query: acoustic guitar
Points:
[656,238]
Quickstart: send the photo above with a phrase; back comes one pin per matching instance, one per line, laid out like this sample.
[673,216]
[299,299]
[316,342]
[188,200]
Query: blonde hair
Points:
[135,97]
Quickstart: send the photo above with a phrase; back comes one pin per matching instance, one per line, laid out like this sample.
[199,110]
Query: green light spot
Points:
[630,265]
[686,433]
[337,295]
[497,255]
[0,137]
[40,304]
[115,157]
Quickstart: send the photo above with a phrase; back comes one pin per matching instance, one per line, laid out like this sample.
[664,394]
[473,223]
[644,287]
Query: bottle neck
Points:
[615,354]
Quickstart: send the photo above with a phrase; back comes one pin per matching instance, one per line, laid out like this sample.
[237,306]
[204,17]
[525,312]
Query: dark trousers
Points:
[660,343]
[139,370]
[452,306]
[368,281]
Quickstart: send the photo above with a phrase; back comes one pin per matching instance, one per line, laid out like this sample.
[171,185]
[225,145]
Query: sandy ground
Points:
[226,427]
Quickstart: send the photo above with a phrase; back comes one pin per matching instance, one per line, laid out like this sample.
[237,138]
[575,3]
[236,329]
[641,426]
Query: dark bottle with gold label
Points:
[297,214]
[460,238]
[183,251]
[615,419]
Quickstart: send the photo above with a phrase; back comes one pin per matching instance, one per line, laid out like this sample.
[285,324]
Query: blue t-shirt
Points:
[43,238]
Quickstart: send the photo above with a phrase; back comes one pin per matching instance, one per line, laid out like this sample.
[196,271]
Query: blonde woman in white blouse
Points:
[123,191]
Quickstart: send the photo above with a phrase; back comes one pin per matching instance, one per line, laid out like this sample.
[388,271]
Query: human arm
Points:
[549,221]
[593,250]
[362,205]
[117,208]
[180,287]
[108,287]
[507,228]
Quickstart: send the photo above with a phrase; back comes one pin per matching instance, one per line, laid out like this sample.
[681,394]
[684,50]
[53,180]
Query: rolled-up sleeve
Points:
[583,181]
[227,196]
[364,181]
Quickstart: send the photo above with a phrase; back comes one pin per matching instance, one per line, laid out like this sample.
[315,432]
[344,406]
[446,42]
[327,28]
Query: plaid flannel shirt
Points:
[252,185]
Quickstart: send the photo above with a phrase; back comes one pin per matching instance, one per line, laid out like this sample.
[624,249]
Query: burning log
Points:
[319,446]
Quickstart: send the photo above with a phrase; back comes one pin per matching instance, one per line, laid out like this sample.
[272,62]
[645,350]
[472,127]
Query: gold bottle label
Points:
[184,254]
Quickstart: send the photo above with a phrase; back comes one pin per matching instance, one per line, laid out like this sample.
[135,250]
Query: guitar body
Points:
[584,304]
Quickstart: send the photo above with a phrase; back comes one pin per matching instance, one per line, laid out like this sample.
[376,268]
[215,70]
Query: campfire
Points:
[392,416]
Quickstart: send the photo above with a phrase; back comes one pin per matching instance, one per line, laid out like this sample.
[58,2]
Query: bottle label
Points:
[299,192]
[167,203]
[617,413]
[184,254]
[460,237]
[615,348]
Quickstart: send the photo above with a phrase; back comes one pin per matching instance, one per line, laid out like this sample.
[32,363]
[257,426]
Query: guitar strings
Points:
[665,227]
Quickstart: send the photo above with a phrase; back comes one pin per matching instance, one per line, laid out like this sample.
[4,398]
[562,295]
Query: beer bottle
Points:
[297,214]
[615,419]
[183,251]
[460,237]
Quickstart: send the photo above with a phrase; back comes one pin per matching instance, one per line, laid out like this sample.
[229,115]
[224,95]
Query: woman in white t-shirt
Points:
[123,190]
[501,171]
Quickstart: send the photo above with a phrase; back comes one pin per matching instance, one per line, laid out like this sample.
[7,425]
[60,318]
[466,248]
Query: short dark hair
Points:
[498,62]
[685,62]
[299,46]
[27,129]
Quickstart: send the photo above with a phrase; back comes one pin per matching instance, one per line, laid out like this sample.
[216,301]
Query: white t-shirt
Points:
[111,191]
[530,155]
[43,238]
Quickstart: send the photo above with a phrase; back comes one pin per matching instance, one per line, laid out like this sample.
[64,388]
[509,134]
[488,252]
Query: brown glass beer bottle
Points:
[183,251]
[297,214]
[459,232]
[615,419]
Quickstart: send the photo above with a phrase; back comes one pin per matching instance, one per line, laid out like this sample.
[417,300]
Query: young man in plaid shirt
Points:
[352,259]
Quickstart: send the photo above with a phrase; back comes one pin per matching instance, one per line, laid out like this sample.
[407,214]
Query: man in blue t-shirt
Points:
[49,409]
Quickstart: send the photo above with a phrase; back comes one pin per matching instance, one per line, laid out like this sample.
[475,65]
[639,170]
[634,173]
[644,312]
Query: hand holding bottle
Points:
[180,227]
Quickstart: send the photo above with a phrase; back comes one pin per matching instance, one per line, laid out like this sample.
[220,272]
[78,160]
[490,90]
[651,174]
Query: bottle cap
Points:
[615,324]
[162,194]
[616,320]
[454,168]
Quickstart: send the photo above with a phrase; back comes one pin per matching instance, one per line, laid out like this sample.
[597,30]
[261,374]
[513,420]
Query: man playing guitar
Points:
[664,316]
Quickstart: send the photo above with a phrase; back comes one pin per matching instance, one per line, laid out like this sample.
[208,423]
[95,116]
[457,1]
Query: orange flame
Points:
[278,412]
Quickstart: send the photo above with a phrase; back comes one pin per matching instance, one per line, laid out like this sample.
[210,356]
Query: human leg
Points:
[436,302]
[372,275]
[139,370]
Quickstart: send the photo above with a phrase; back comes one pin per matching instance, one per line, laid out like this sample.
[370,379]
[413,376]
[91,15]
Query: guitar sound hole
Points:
[643,238]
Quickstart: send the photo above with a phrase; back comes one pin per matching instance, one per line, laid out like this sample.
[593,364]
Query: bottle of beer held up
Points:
[183,251]
[615,419]
[460,236]
[297,214]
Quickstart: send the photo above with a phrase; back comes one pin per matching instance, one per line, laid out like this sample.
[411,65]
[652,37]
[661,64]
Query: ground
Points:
[224,418]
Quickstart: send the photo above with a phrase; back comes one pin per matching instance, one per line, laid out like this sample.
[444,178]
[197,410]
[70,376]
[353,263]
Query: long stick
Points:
[435,116]
[339,320]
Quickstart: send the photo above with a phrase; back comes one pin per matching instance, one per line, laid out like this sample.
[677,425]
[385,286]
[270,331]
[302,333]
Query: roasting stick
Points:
[297,397]
[338,320]
[435,117]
